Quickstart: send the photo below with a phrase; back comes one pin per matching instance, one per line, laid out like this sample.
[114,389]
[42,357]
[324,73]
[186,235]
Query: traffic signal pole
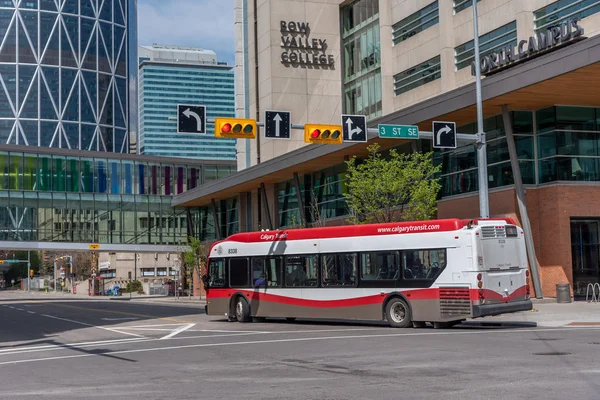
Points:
[464,137]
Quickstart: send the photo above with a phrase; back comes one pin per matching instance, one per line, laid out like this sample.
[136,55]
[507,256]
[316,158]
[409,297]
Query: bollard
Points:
[563,293]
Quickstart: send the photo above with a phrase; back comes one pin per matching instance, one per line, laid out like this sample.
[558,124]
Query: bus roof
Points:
[441,225]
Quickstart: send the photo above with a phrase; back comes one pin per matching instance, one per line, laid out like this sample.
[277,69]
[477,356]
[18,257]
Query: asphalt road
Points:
[88,349]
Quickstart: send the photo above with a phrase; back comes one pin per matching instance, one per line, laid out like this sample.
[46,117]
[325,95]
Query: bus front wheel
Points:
[397,313]
[242,310]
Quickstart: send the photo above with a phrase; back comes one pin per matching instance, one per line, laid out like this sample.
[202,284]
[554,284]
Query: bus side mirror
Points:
[205,281]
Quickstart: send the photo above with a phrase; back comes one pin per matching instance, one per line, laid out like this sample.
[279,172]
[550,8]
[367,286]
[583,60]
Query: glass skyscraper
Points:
[169,76]
[64,73]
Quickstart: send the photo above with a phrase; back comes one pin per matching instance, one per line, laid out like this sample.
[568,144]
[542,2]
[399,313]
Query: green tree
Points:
[193,260]
[387,189]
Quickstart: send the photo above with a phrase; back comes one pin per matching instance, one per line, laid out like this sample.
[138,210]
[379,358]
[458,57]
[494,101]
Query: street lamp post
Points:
[55,261]
[484,207]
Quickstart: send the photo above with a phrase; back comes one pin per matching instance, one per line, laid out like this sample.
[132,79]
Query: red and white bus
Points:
[441,271]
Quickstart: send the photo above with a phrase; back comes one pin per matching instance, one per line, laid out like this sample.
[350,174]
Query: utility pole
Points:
[29,270]
[55,261]
[484,207]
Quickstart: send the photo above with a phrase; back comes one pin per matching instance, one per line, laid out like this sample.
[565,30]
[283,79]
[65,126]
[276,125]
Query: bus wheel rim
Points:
[239,309]
[398,312]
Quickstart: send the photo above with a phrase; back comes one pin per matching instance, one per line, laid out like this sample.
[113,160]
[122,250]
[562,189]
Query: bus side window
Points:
[424,265]
[238,272]
[382,265]
[339,269]
[266,271]
[301,271]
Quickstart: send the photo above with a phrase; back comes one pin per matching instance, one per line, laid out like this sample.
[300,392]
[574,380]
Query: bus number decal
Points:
[232,251]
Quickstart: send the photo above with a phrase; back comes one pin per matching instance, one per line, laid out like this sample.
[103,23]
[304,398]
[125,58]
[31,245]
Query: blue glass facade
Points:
[64,72]
[162,87]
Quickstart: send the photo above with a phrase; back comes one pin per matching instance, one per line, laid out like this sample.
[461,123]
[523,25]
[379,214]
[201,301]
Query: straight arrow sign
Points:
[277,120]
[277,124]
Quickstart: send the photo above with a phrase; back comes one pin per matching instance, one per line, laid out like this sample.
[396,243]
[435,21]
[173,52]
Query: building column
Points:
[521,201]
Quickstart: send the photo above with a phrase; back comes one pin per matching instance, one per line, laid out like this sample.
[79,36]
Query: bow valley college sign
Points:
[543,42]
[299,49]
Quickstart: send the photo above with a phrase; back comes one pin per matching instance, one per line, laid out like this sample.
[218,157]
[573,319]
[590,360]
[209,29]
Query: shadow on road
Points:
[326,322]
[42,321]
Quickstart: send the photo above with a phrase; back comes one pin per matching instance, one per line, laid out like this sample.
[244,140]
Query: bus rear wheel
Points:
[398,313]
[242,310]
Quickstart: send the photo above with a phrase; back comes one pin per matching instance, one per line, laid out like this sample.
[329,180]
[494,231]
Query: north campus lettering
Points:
[541,42]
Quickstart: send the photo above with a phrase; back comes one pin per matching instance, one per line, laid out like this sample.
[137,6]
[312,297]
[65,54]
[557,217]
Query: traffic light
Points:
[323,134]
[235,128]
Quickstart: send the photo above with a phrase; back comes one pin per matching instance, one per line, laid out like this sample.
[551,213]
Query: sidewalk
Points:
[552,314]
[38,295]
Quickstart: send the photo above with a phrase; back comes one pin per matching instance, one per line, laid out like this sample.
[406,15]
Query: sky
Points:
[207,24]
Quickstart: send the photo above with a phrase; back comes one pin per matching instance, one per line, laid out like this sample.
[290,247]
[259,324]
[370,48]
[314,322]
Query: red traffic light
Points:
[226,128]
[315,134]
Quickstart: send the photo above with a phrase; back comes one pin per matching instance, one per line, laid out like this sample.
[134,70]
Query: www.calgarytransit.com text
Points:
[412,228]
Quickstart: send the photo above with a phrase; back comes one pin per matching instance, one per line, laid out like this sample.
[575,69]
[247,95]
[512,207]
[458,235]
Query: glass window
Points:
[216,272]
[266,271]
[161,271]
[560,11]
[148,272]
[576,118]
[415,23]
[238,272]
[423,264]
[381,265]
[288,207]
[499,38]
[361,58]
[339,269]
[418,75]
[460,5]
[358,13]
[522,122]
[301,271]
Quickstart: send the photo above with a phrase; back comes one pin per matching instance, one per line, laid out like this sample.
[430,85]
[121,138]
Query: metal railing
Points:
[595,291]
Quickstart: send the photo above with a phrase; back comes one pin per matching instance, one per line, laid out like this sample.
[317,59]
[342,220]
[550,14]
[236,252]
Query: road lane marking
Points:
[31,312]
[178,331]
[191,346]
[146,329]
[121,319]
[148,326]
[92,326]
